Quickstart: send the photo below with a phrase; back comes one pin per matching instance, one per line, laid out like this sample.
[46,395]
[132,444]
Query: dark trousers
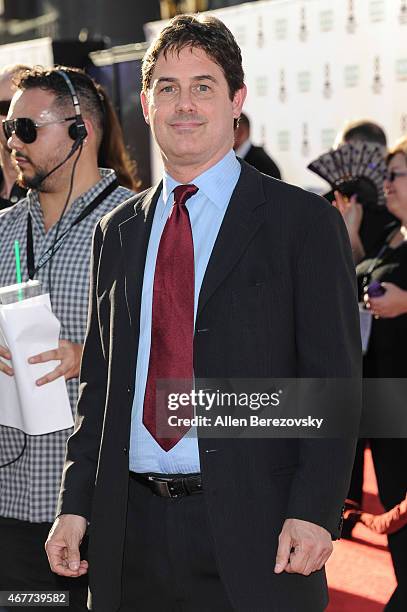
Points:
[169,563]
[356,484]
[390,461]
[24,565]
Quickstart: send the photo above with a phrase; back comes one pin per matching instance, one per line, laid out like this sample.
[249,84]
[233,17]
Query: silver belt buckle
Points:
[162,486]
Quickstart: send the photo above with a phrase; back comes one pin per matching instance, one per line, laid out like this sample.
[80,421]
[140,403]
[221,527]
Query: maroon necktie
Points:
[172,329]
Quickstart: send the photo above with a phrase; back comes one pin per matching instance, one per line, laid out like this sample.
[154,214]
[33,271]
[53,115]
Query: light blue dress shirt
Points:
[206,211]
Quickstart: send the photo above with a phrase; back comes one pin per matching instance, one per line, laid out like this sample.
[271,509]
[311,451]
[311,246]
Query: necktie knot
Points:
[182,193]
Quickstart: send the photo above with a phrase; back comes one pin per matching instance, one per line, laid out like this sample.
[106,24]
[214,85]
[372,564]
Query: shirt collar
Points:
[107,177]
[244,148]
[216,183]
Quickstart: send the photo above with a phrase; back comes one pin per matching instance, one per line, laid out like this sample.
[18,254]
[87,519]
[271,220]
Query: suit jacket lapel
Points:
[134,236]
[238,226]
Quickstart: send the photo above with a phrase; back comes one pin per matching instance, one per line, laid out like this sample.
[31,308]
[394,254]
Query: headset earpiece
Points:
[77,131]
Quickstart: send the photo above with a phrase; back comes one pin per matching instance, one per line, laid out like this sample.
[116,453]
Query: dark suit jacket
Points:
[278,299]
[259,159]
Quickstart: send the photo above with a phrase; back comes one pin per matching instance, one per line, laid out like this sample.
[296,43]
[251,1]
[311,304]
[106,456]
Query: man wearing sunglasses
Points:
[10,191]
[54,128]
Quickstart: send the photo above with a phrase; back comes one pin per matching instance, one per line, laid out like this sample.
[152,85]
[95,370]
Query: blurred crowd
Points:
[64,165]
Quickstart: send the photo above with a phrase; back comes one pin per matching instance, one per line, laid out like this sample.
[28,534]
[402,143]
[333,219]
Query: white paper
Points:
[27,328]
[365,317]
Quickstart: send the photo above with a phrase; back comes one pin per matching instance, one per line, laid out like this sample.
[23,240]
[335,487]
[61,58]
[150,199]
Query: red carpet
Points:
[360,573]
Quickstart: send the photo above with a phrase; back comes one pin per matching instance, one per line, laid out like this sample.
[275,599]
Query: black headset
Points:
[77,131]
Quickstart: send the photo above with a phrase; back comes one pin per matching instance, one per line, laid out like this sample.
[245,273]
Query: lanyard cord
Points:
[385,250]
[44,258]
[68,197]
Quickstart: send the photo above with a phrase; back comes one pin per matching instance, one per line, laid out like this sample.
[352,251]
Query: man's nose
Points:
[14,142]
[185,101]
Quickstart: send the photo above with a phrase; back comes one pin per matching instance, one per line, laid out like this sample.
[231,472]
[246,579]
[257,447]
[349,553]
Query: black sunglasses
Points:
[4,106]
[26,129]
[391,176]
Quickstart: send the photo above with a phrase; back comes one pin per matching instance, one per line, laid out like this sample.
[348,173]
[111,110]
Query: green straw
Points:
[18,268]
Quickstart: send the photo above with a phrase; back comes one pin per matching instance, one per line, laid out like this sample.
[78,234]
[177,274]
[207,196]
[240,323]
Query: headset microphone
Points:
[35,183]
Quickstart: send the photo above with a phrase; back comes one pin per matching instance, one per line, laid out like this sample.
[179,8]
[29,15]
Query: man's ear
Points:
[90,130]
[144,104]
[238,101]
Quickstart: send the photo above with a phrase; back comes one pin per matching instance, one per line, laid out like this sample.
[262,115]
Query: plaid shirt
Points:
[29,487]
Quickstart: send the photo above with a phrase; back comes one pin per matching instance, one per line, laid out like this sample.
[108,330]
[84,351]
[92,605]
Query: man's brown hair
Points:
[203,32]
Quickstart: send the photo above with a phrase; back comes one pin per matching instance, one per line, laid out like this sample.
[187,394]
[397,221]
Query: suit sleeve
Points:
[328,346]
[79,471]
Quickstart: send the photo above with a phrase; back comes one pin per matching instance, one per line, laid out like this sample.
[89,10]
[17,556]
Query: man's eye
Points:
[168,89]
[202,88]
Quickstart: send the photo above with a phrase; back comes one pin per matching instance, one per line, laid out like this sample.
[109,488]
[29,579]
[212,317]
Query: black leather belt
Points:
[170,486]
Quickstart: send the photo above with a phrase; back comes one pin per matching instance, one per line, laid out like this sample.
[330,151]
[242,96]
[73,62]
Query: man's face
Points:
[190,111]
[33,161]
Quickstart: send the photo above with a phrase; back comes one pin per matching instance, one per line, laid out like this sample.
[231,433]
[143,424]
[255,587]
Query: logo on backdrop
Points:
[403,12]
[282,92]
[303,34]
[327,91]
[377,10]
[377,84]
[260,33]
[305,147]
[304,81]
[326,20]
[351,21]
[283,140]
[352,75]
[280,29]
[401,69]
[403,123]
[262,86]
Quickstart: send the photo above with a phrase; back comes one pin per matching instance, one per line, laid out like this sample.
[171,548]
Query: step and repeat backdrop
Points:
[312,65]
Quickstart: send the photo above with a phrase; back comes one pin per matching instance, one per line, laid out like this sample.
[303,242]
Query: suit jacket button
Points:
[125,450]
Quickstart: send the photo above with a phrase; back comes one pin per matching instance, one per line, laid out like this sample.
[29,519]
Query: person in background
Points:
[10,190]
[112,151]
[367,225]
[387,522]
[385,357]
[56,151]
[253,155]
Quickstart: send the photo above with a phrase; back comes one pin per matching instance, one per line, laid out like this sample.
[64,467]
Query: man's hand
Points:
[68,353]
[62,546]
[392,304]
[5,353]
[312,546]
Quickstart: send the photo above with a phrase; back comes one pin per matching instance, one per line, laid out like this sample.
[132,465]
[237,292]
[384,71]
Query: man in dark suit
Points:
[253,155]
[219,272]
